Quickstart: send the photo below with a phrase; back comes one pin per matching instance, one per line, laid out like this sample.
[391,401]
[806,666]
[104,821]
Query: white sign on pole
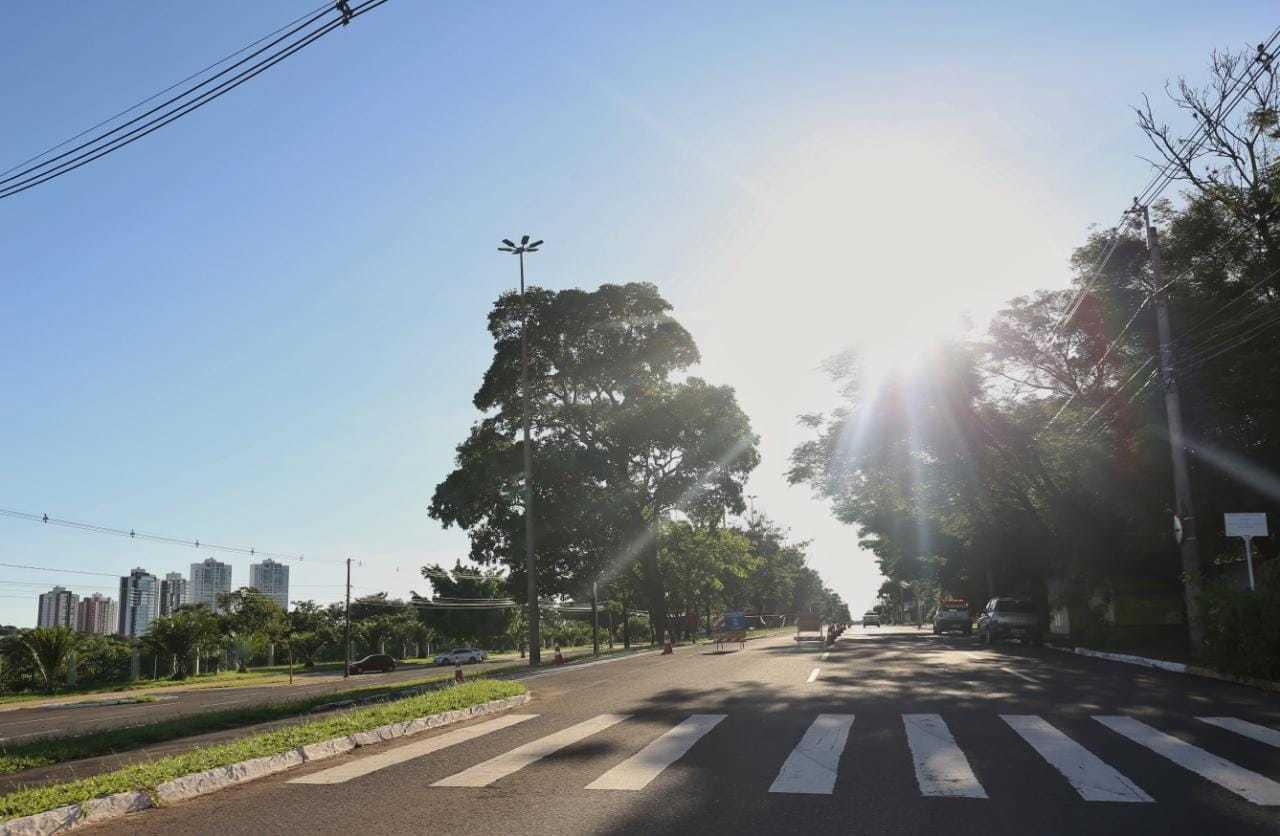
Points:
[1246,525]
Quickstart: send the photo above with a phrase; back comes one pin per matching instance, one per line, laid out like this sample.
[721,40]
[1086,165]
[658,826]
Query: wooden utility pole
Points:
[346,652]
[1189,545]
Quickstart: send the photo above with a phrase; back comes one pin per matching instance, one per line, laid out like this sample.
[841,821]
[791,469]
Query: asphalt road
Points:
[20,724]
[898,732]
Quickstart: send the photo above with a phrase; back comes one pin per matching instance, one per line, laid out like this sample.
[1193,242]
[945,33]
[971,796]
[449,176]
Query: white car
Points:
[462,656]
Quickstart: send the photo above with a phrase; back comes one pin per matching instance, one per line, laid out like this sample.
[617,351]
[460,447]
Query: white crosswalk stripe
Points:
[484,774]
[400,754]
[1243,782]
[811,767]
[637,771]
[1093,779]
[1262,734]
[941,767]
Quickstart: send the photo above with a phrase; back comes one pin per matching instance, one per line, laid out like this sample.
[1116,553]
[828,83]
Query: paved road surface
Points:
[896,732]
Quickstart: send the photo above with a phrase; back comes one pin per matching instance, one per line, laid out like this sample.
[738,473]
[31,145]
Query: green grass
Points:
[46,752]
[150,774]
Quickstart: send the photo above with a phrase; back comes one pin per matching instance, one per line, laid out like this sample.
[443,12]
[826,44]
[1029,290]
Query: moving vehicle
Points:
[871,619]
[808,627]
[953,615]
[461,656]
[1009,618]
[373,662]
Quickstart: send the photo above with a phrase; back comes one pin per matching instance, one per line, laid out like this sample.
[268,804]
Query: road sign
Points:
[1246,526]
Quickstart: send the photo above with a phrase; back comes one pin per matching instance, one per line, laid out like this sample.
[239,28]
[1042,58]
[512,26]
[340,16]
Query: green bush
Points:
[1242,627]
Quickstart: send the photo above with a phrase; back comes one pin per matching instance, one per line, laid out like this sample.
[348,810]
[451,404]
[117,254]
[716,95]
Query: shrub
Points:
[1242,627]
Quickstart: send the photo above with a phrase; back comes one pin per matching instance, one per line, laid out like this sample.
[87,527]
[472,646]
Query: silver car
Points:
[1009,618]
[462,656]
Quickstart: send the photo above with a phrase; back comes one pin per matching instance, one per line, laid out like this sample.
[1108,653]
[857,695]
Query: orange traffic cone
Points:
[666,644]
[559,656]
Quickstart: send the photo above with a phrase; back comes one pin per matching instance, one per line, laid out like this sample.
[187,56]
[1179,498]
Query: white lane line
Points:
[363,766]
[1018,674]
[577,666]
[1092,778]
[825,655]
[1248,785]
[813,675]
[941,768]
[1262,734]
[812,766]
[637,771]
[484,774]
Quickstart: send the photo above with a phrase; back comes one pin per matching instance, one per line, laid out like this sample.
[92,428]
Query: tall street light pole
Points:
[530,562]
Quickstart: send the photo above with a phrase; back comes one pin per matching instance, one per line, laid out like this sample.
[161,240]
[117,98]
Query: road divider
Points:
[59,807]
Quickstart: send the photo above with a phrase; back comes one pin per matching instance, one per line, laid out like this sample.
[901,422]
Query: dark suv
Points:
[375,662]
[952,617]
[1009,618]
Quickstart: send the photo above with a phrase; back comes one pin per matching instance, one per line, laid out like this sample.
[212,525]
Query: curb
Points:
[1172,667]
[196,784]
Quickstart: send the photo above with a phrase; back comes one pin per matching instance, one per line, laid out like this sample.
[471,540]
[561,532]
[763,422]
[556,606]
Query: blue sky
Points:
[264,324]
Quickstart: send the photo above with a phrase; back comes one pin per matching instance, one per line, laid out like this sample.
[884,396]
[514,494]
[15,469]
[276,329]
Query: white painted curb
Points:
[96,810]
[1173,667]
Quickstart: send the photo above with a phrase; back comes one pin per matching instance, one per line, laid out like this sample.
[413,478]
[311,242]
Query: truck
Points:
[808,627]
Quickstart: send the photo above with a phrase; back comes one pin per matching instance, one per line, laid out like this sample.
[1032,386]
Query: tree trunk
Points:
[653,585]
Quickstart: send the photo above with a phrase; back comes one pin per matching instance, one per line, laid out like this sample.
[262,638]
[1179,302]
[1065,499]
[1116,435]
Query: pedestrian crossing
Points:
[941,767]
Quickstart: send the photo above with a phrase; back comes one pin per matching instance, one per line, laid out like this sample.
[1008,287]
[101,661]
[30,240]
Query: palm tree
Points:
[49,648]
[178,635]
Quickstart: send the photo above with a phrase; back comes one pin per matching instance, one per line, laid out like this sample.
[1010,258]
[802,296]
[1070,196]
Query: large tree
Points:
[621,439]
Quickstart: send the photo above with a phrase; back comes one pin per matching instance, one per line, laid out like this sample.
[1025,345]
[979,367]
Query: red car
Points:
[375,662]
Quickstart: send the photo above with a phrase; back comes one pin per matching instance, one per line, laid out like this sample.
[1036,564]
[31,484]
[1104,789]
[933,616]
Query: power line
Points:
[133,534]
[102,145]
[157,95]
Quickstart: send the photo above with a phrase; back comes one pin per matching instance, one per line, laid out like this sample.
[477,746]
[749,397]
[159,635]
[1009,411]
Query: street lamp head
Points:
[523,247]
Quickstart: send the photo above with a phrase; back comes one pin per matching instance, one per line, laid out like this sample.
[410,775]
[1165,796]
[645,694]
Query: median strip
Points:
[57,807]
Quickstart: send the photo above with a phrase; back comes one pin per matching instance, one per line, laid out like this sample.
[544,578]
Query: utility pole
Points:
[595,623]
[1189,545]
[531,566]
[346,668]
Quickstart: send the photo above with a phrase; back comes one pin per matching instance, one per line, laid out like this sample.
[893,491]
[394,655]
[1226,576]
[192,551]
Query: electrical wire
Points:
[157,95]
[17,185]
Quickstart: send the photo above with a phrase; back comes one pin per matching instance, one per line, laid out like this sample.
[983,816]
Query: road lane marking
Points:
[812,766]
[363,766]
[1262,734]
[825,655]
[1248,785]
[1092,778]
[484,774]
[941,768]
[637,771]
[1019,674]
[813,675]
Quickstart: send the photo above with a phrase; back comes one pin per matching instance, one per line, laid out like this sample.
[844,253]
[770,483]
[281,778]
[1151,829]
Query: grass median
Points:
[150,774]
[49,751]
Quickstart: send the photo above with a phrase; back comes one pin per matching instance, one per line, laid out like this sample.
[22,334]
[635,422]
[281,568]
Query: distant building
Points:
[57,608]
[174,592]
[209,580]
[271,578]
[96,614]
[139,603]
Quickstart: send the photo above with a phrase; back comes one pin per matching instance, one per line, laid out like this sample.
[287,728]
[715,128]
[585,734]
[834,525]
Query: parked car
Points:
[871,619]
[1009,618]
[952,617]
[373,662]
[462,656]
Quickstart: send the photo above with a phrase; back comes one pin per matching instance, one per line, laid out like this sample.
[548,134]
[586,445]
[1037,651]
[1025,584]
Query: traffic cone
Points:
[666,644]
[559,656]
[458,675]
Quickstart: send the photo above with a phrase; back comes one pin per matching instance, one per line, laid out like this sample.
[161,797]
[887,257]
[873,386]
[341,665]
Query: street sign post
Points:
[1246,526]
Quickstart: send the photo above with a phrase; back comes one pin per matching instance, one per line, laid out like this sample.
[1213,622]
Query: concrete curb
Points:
[1172,667]
[196,784]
